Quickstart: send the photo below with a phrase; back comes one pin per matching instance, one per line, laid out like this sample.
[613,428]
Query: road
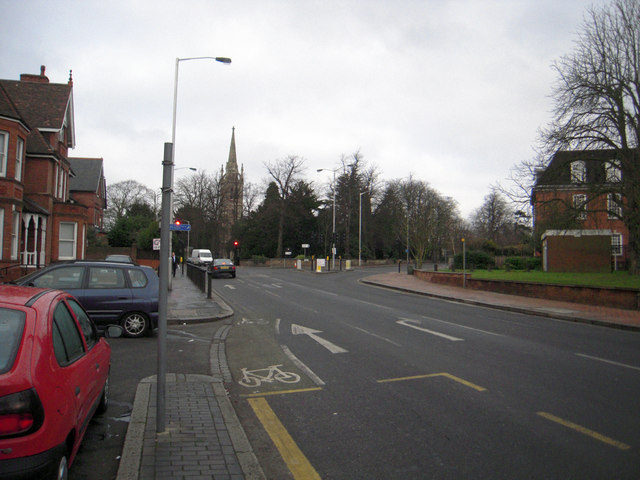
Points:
[400,386]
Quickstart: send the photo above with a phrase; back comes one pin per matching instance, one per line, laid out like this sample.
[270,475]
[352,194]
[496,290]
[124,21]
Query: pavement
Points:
[203,438]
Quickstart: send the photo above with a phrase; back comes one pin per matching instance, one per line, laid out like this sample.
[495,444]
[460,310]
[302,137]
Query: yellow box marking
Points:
[585,431]
[280,392]
[431,375]
[298,464]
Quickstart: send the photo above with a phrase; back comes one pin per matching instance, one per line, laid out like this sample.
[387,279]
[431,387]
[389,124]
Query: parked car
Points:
[54,376]
[223,266]
[119,258]
[200,256]
[111,292]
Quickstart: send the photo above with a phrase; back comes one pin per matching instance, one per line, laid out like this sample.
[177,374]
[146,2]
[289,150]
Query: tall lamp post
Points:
[360,232]
[165,249]
[333,233]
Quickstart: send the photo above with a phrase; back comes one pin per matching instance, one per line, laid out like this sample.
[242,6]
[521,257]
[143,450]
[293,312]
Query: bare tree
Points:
[494,218]
[285,173]
[122,196]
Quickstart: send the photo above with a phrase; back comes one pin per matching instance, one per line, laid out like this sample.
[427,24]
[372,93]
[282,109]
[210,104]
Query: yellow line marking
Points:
[291,454]
[586,431]
[430,375]
[280,392]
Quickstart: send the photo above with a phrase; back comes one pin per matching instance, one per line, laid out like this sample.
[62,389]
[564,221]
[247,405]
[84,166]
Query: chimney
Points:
[31,77]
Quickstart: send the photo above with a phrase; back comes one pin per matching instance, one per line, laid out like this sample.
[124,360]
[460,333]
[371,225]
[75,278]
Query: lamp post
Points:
[165,249]
[360,232]
[333,233]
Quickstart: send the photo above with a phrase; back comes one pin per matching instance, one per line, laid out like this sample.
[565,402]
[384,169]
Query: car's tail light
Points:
[20,414]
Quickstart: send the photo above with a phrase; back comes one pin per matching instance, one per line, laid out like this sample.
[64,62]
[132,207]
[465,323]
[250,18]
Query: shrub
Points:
[523,263]
[259,259]
[475,259]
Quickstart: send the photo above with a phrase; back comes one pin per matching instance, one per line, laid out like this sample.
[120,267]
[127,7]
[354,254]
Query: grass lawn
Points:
[615,279]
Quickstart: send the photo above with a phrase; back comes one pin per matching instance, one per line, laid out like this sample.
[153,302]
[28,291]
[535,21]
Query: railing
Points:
[201,276]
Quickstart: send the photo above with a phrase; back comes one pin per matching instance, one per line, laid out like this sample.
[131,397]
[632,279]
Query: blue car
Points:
[110,292]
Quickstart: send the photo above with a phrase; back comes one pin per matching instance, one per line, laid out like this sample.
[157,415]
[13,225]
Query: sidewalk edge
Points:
[132,450]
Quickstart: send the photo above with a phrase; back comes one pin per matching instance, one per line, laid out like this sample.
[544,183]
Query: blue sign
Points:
[180,228]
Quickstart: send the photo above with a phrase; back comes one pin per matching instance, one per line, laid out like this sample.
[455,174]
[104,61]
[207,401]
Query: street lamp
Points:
[360,232]
[168,164]
[333,234]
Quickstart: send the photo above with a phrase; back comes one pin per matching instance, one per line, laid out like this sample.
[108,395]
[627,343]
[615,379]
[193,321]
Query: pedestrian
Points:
[174,263]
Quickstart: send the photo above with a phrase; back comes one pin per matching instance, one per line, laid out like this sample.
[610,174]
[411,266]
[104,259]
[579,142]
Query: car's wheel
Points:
[135,324]
[104,399]
[62,470]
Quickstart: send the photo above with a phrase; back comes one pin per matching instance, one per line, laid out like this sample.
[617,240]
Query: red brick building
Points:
[40,221]
[581,191]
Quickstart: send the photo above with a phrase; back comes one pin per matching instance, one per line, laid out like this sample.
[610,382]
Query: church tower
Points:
[232,195]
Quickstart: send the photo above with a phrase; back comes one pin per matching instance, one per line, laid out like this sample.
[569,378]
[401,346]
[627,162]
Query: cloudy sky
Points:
[449,91]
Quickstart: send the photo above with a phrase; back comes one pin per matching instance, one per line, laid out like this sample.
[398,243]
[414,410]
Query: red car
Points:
[54,375]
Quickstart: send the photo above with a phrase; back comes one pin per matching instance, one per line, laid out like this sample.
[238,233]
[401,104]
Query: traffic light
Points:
[177,222]
[236,244]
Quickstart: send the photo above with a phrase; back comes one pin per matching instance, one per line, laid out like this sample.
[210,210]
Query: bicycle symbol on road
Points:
[254,378]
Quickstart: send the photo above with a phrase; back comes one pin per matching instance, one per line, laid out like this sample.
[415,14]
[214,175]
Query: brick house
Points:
[581,191]
[40,222]
[89,188]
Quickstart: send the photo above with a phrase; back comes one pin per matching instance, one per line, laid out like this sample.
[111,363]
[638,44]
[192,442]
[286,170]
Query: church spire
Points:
[232,163]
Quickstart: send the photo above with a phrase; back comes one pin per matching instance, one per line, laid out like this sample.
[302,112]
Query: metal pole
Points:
[333,237]
[164,275]
[173,151]
[464,265]
[360,233]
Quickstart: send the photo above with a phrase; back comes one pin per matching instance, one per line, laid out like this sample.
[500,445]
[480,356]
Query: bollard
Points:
[209,277]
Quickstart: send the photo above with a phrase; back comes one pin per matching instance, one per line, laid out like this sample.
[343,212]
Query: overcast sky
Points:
[450,91]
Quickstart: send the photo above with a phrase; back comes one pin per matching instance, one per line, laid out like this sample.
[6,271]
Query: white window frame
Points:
[580,205]
[616,244]
[613,172]
[15,235]
[4,151]
[19,159]
[614,206]
[578,171]
[73,242]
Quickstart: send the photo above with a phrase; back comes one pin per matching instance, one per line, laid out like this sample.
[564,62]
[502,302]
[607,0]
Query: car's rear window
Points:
[11,328]
[137,278]
[106,277]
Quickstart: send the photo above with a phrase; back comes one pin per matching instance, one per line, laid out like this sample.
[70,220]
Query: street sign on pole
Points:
[180,228]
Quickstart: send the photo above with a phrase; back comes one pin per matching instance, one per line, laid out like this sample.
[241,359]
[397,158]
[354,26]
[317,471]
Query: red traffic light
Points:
[235,243]
[177,222]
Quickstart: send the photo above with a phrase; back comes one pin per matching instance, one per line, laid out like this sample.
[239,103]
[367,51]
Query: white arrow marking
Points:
[230,287]
[407,322]
[300,330]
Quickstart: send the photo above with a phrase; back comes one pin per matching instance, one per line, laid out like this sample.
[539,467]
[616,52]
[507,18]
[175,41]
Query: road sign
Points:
[156,244]
[180,228]
[305,245]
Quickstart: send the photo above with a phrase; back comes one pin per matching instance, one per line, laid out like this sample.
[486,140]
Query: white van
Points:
[201,256]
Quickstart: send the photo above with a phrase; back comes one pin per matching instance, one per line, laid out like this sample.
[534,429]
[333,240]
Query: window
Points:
[62,278]
[613,173]
[15,229]
[19,157]
[67,241]
[580,206]
[137,278]
[4,151]
[86,325]
[578,172]
[616,244]
[614,205]
[11,327]
[67,342]
[106,277]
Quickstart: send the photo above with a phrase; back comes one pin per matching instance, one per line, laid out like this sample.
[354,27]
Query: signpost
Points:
[180,228]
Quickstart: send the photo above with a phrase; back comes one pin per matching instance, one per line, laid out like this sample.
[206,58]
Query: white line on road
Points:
[463,326]
[230,287]
[298,363]
[374,335]
[300,330]
[608,361]
[407,322]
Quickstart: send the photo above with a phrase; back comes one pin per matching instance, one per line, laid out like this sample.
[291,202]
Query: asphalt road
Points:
[400,386]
